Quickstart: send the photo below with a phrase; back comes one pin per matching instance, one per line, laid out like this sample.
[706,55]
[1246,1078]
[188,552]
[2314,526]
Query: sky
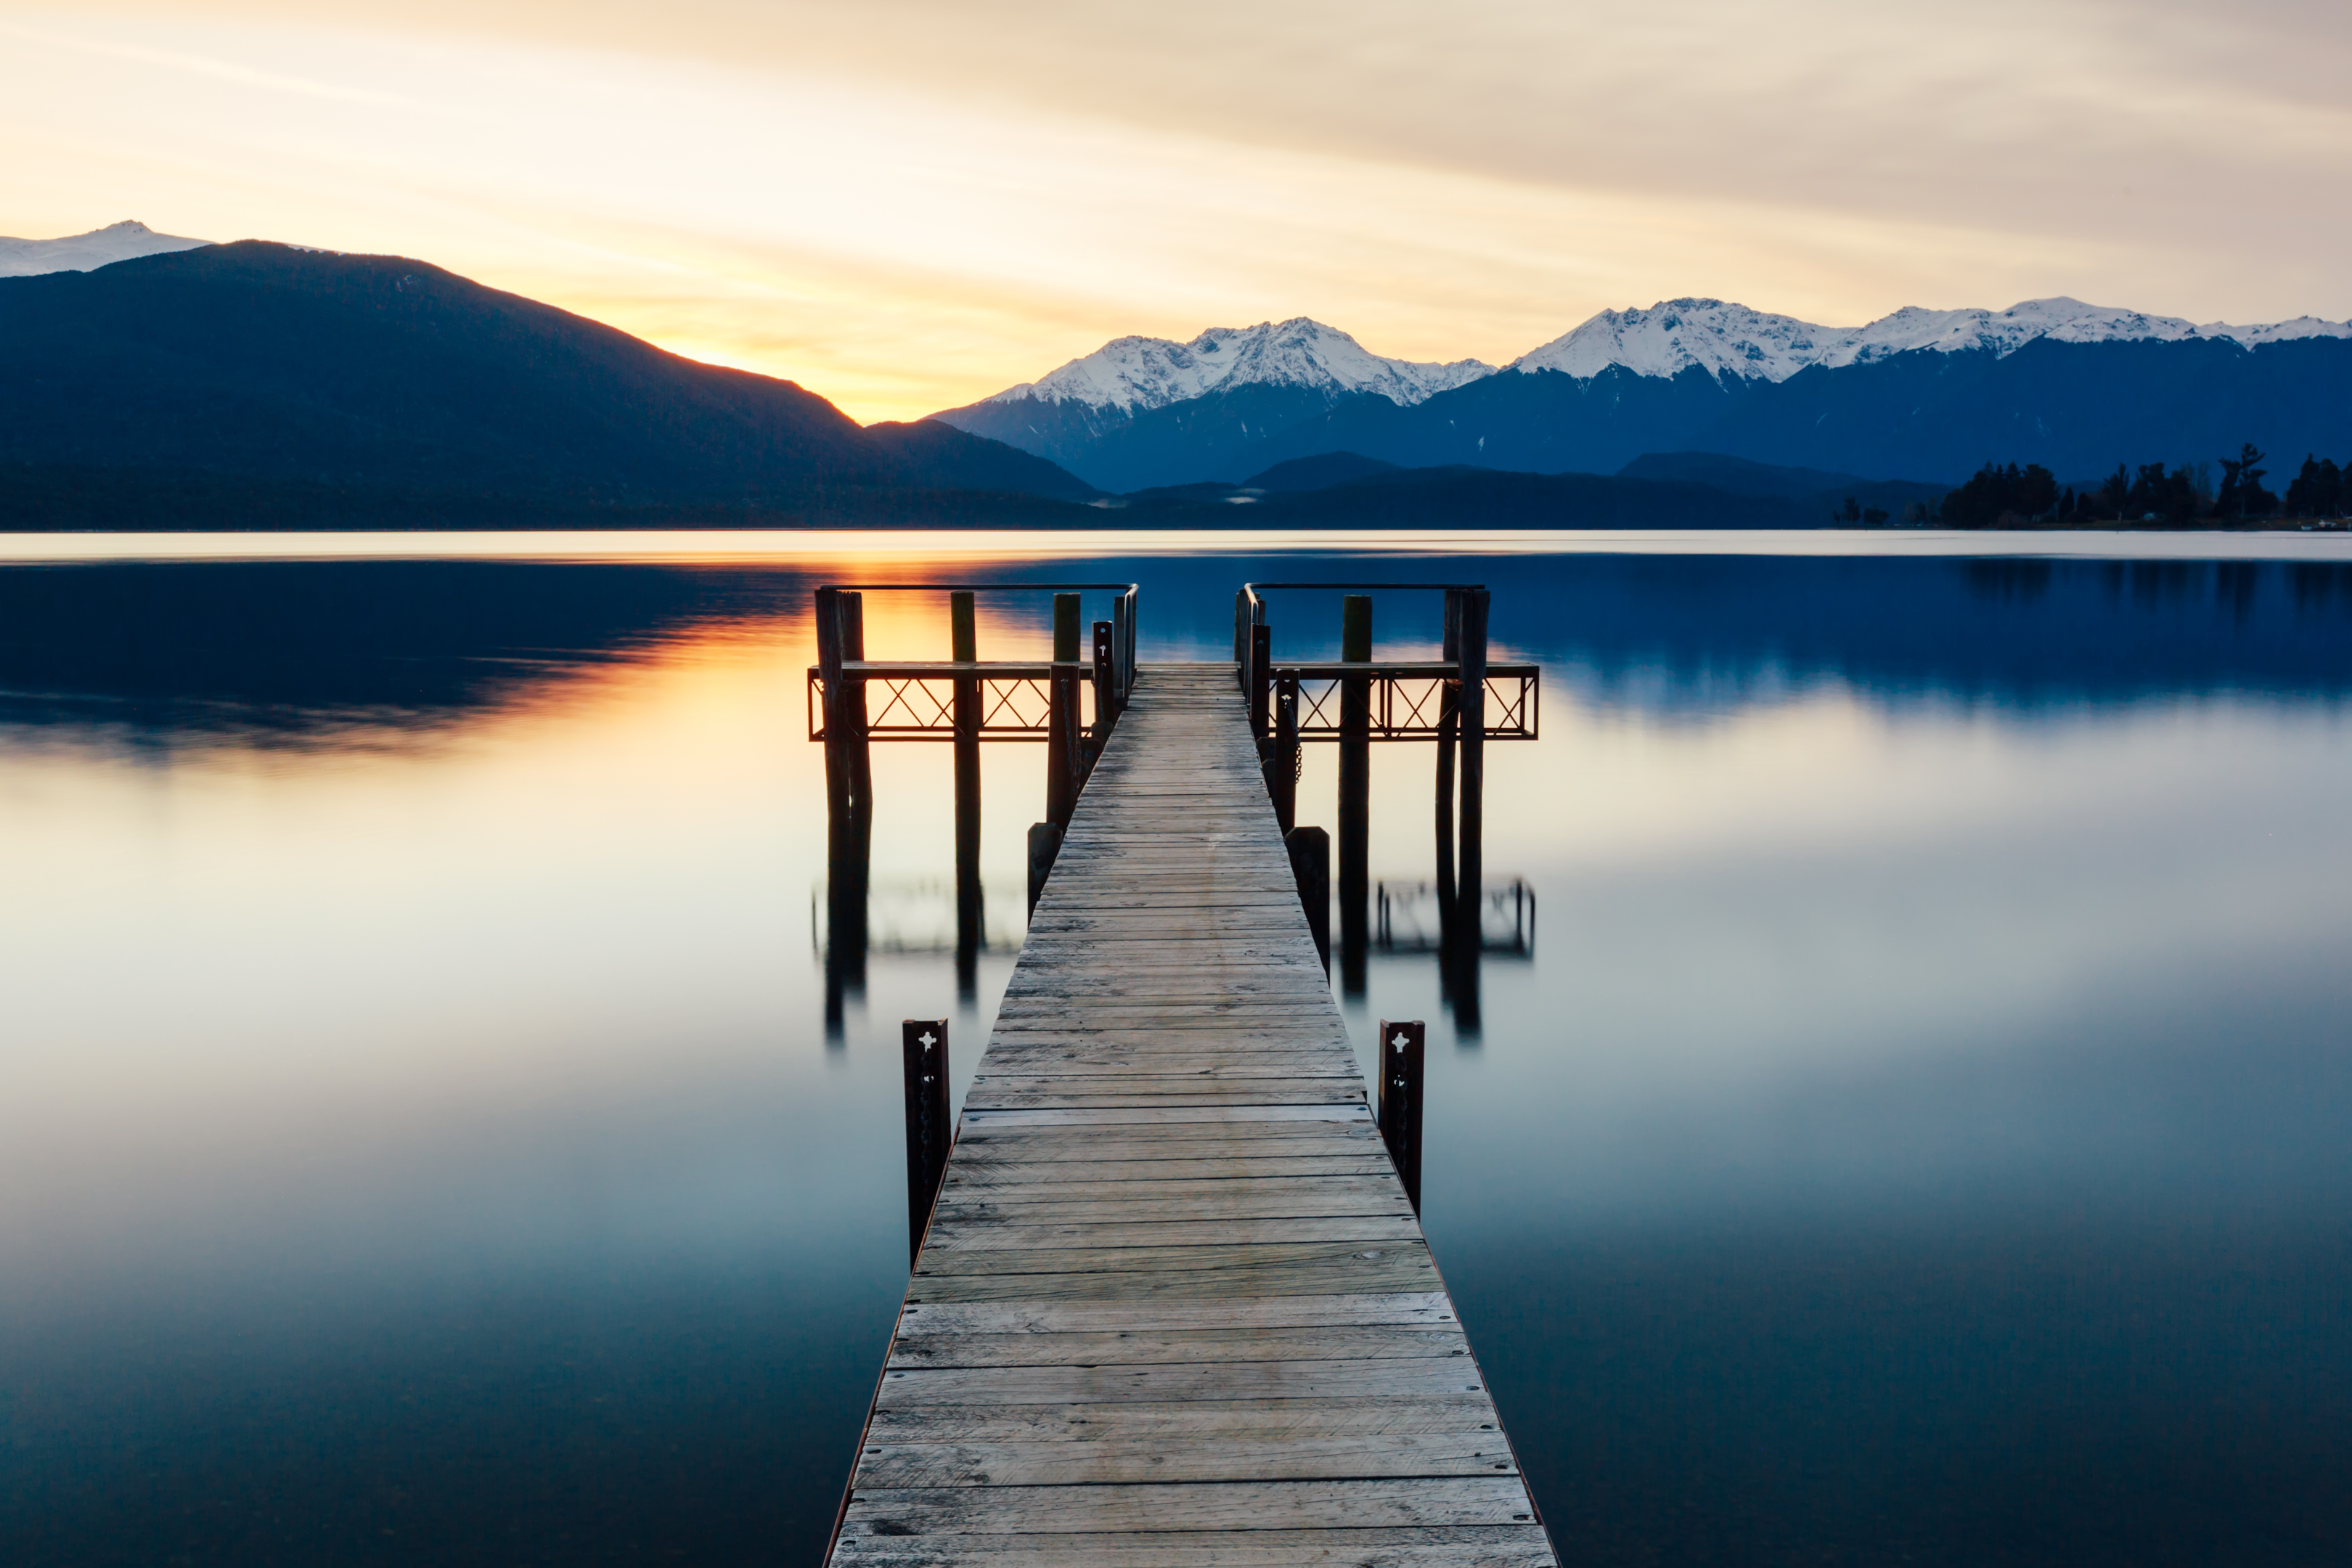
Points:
[908,205]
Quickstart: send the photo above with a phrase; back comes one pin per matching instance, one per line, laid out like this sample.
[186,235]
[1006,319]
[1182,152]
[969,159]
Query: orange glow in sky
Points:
[906,204]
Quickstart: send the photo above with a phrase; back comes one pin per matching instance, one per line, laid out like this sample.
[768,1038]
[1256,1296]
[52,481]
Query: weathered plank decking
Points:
[1173,1310]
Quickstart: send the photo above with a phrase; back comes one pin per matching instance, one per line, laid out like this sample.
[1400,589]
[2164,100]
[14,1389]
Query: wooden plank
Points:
[1114,1347]
[1272,1505]
[1286,1458]
[1173,1308]
[1406,1308]
[1492,1546]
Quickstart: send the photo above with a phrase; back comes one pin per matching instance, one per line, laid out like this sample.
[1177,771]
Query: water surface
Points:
[1903,1114]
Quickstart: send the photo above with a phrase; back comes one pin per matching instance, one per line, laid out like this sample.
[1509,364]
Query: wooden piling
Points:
[828,661]
[1400,1112]
[963,646]
[1102,679]
[1471,864]
[1045,845]
[1449,728]
[1311,865]
[923,1048]
[1062,714]
[859,750]
[1282,768]
[1355,789]
[1261,679]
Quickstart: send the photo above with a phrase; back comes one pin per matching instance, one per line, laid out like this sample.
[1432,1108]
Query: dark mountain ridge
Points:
[261,375]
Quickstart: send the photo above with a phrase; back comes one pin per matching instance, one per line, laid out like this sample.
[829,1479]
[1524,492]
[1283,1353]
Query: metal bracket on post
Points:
[1400,1109]
[929,1132]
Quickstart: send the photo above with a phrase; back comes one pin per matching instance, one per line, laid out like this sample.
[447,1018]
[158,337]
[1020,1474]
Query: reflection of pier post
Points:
[1355,789]
[965,648]
[1469,892]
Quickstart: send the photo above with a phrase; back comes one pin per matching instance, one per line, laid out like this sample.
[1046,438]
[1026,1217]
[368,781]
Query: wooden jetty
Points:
[1173,1308]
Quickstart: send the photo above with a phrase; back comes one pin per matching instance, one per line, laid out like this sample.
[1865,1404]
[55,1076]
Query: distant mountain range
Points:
[151,381]
[84,252]
[261,386]
[1920,394]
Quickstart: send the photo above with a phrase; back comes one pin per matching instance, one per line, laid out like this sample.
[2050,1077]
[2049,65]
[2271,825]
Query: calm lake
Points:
[1906,1116]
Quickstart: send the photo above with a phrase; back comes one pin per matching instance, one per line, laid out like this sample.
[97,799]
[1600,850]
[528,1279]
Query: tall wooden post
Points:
[1400,1061]
[828,667]
[1261,679]
[923,1050]
[1120,678]
[1282,768]
[846,841]
[1241,638]
[853,721]
[1449,726]
[1045,845]
[1104,701]
[963,646]
[1310,867]
[1355,789]
[1062,714]
[1470,895]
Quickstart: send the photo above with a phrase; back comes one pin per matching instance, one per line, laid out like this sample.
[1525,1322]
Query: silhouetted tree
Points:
[2115,495]
[2317,491]
[2156,495]
[1850,514]
[2005,498]
[1874,517]
[2242,495]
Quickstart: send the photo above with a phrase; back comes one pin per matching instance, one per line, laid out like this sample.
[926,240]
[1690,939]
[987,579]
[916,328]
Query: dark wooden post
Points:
[1241,638]
[1355,788]
[1449,726]
[1105,709]
[1122,672]
[1261,678]
[1472,866]
[1282,768]
[828,667]
[1062,714]
[963,646]
[853,721]
[1400,1055]
[1044,848]
[929,1132]
[1310,865]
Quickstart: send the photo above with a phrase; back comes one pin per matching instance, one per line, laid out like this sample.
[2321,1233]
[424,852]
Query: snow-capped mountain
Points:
[1138,374]
[1721,338]
[84,252]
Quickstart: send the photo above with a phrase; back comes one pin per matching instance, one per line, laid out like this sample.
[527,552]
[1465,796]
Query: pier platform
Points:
[1173,1308]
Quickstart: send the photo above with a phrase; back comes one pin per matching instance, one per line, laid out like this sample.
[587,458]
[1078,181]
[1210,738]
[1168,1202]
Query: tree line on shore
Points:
[2009,496]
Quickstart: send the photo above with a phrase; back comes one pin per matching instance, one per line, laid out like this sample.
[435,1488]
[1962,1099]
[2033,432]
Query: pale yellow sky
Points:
[905,204]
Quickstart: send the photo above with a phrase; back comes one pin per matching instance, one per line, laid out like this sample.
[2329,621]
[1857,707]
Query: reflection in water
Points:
[1926,1132]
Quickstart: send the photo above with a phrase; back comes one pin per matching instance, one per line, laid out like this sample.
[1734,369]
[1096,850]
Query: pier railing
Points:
[1070,702]
[1458,701]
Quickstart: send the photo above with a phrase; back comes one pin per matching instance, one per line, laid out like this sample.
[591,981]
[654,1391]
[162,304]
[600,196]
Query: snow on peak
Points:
[1720,338]
[1135,373]
[83,252]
